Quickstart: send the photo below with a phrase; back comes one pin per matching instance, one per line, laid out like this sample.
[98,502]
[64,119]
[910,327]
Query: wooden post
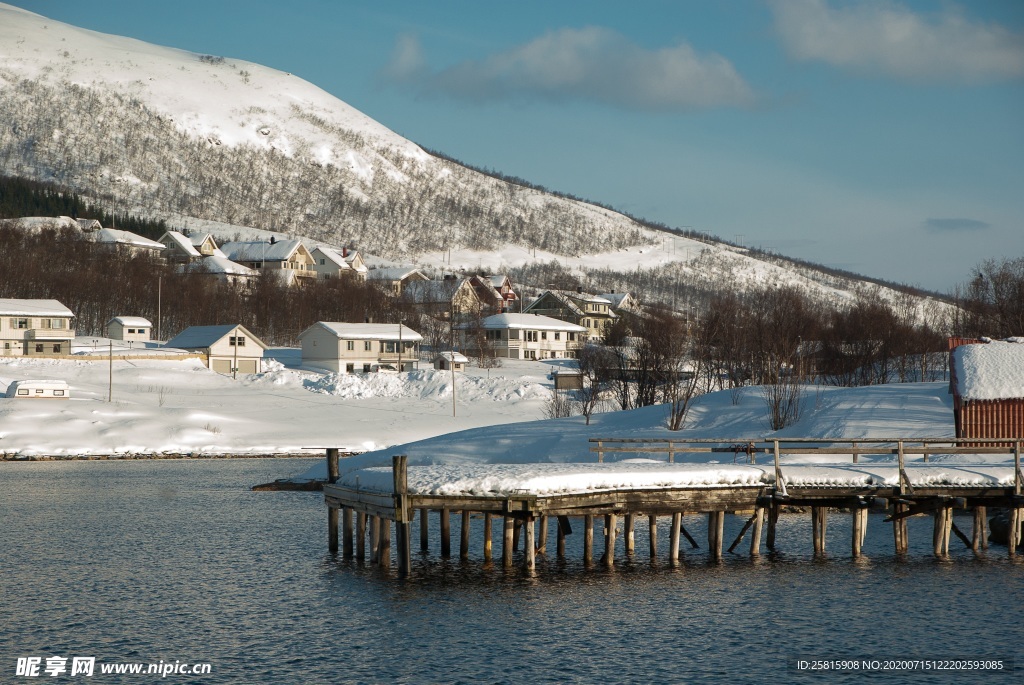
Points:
[542,536]
[755,535]
[1012,531]
[609,540]
[361,536]
[978,534]
[374,539]
[588,539]
[332,529]
[627,534]
[346,532]
[385,543]
[858,531]
[716,529]
[464,536]
[559,539]
[332,465]
[773,521]
[446,533]
[529,556]
[652,529]
[943,521]
[673,538]
[403,515]
[899,528]
[424,530]
[506,542]
[487,537]
[819,519]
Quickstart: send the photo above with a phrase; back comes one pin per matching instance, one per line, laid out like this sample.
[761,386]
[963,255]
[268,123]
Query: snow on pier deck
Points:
[523,494]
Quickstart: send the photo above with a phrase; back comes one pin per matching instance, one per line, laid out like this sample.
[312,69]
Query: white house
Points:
[365,347]
[35,327]
[133,328]
[447,361]
[228,348]
[125,239]
[330,263]
[523,336]
[39,390]
[289,258]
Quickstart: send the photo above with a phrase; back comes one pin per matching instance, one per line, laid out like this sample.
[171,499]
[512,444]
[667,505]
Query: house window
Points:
[58,393]
[571,337]
[368,347]
[558,335]
[39,347]
[366,368]
[349,368]
[22,392]
[44,323]
[321,262]
[7,345]
[351,345]
[19,323]
[39,391]
[237,341]
[56,348]
[543,335]
[531,336]
[131,330]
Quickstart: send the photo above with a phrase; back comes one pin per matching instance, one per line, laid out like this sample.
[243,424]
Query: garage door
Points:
[222,365]
[247,366]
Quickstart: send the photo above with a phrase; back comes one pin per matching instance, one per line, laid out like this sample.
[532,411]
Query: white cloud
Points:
[885,37]
[955,225]
[592,64]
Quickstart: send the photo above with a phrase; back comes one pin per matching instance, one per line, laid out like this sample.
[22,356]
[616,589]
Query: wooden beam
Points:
[385,543]
[773,522]
[529,556]
[743,531]
[446,532]
[332,465]
[686,534]
[858,531]
[610,521]
[819,521]
[978,540]
[374,539]
[960,534]
[332,529]
[716,529]
[899,527]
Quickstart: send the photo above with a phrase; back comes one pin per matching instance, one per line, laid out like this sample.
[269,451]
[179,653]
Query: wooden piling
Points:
[424,530]
[542,536]
[1012,531]
[858,531]
[403,515]
[609,540]
[627,534]
[464,536]
[332,529]
[652,530]
[516,534]
[773,521]
[755,535]
[819,521]
[560,539]
[899,527]
[588,539]
[346,532]
[673,538]
[487,537]
[446,532]
[361,536]
[506,542]
[374,539]
[716,529]
[978,541]
[384,559]
[942,523]
[529,556]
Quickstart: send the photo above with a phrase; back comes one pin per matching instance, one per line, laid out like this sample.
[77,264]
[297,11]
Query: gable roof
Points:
[260,250]
[14,307]
[427,292]
[529,321]
[366,331]
[199,337]
[560,298]
[130,321]
[394,273]
[992,370]
[332,256]
[118,237]
[617,299]
[218,264]
[181,241]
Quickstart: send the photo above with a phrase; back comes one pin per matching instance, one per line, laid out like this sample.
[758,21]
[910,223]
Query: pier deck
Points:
[366,502]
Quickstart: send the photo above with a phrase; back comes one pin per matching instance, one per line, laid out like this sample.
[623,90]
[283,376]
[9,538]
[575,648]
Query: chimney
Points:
[344,252]
[579,289]
[273,240]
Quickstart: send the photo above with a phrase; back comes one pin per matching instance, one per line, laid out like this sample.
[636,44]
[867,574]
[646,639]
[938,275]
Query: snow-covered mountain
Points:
[239,147]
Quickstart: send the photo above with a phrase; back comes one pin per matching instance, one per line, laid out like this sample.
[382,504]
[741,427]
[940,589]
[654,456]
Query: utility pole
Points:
[159,302]
[110,380]
[234,364]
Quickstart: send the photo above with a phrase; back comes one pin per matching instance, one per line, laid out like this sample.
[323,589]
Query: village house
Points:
[360,347]
[125,240]
[200,254]
[621,302]
[130,328]
[522,336]
[35,327]
[394,279]
[590,311]
[987,382]
[495,292]
[288,258]
[345,263]
[228,349]
[443,300]
[450,361]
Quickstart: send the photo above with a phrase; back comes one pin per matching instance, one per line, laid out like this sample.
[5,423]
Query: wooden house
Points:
[394,279]
[590,311]
[35,327]
[452,297]
[230,348]
[344,263]
[360,347]
[288,258]
[987,382]
[450,361]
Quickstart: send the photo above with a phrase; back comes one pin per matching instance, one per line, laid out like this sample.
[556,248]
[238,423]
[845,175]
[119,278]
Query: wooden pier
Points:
[364,516]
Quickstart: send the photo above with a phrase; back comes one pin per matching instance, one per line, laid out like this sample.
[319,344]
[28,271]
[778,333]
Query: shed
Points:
[129,328]
[228,348]
[39,390]
[987,382]
[446,360]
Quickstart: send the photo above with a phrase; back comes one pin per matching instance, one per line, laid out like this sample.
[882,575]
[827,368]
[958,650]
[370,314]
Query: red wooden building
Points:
[987,382]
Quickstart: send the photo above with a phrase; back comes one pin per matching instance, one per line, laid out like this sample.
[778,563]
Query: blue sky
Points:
[883,137]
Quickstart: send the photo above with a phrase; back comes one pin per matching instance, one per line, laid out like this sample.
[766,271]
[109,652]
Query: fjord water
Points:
[143,561]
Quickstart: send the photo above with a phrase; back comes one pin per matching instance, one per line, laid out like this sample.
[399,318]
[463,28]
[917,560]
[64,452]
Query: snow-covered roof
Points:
[218,264]
[333,256]
[197,337]
[367,331]
[392,273]
[116,236]
[12,307]
[182,241]
[424,292]
[130,321]
[990,371]
[526,321]
[260,250]
[615,299]
[456,357]
[198,239]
